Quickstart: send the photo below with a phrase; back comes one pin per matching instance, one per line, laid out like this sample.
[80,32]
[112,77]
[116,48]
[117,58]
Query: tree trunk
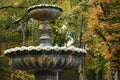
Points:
[23,33]
[117,75]
[99,74]
[23,30]
[82,75]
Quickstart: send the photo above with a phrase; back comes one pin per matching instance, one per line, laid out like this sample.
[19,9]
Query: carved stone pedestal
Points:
[45,75]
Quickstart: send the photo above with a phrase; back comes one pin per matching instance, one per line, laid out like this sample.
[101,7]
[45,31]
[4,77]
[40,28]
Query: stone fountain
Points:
[45,60]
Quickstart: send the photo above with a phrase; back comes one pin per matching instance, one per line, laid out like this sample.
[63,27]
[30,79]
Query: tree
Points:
[105,24]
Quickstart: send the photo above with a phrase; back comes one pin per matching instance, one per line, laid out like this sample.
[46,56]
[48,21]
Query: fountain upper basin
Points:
[45,12]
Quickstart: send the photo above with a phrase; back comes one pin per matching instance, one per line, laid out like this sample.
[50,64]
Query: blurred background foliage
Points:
[90,24]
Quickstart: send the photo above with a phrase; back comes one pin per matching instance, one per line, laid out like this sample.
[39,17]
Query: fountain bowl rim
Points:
[44,6]
[44,48]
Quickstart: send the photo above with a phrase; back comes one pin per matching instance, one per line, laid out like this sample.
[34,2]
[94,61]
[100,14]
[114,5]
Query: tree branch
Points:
[23,17]
[13,7]
[104,12]
[98,31]
[100,34]
[103,37]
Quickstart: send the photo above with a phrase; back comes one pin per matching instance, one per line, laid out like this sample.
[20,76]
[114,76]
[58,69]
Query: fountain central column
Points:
[45,30]
[45,40]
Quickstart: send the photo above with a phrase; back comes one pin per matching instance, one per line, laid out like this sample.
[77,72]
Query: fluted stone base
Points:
[45,75]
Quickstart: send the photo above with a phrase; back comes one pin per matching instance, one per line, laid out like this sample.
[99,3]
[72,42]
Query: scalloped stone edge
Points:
[44,5]
[47,48]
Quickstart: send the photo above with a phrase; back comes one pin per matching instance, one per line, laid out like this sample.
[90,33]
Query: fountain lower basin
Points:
[45,58]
